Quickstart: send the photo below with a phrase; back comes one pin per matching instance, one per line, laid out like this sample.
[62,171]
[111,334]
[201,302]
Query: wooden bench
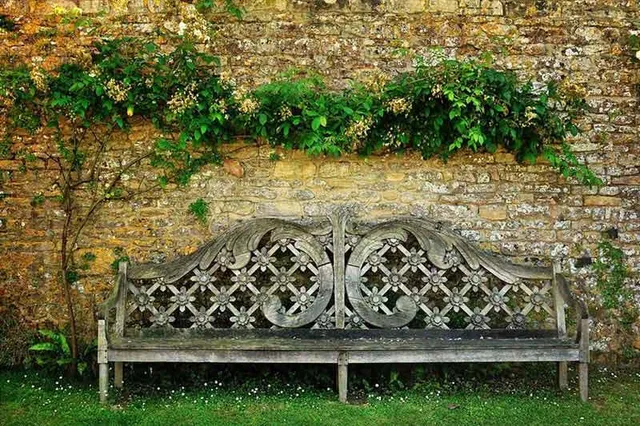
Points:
[404,291]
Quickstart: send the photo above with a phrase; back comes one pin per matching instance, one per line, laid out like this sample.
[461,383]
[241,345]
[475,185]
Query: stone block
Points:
[493,212]
[447,6]
[295,170]
[601,200]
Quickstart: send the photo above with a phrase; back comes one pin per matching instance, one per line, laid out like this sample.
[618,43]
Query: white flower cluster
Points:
[399,106]
[376,81]
[285,112]
[39,78]
[117,91]
[193,25]
[227,80]
[530,114]
[359,129]
[182,100]
[246,104]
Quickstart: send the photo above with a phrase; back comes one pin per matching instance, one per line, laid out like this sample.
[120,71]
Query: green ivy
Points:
[437,109]
[611,273]
[200,209]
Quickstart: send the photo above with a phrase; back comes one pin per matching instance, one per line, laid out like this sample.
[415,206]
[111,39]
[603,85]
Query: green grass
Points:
[32,399]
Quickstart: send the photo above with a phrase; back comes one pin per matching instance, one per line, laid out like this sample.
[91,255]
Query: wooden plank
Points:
[355,357]
[121,304]
[102,341]
[349,334]
[461,356]
[283,345]
[343,376]
[258,357]
[339,224]
[558,301]
[103,382]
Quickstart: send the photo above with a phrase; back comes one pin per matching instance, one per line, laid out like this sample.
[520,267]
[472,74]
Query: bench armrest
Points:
[582,312]
[112,301]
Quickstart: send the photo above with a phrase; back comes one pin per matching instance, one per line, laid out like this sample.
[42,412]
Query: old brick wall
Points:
[519,210]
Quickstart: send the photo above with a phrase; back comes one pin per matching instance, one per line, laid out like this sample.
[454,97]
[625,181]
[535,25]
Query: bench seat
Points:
[322,346]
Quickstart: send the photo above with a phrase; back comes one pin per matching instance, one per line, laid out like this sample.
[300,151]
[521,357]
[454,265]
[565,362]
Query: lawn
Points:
[36,399]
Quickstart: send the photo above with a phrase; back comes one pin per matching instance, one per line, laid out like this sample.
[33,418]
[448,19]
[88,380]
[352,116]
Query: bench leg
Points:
[103,381]
[563,382]
[342,377]
[584,381]
[118,375]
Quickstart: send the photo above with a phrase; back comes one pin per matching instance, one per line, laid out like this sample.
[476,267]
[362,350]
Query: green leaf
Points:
[44,346]
[263,118]
[315,124]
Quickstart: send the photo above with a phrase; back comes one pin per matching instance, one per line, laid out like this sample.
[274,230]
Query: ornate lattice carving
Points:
[411,274]
[406,273]
[272,274]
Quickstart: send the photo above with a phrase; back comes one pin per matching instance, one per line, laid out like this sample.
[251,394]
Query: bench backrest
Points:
[270,273]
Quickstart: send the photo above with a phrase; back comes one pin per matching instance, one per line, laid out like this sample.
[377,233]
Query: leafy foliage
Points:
[441,107]
[229,6]
[54,353]
[611,275]
[200,209]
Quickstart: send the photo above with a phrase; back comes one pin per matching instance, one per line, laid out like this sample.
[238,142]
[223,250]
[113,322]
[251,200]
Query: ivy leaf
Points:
[263,118]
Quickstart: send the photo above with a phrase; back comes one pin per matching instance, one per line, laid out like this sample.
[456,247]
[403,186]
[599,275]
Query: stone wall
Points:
[523,211]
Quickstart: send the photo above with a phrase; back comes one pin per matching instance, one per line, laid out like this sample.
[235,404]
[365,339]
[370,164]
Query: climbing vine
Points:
[438,109]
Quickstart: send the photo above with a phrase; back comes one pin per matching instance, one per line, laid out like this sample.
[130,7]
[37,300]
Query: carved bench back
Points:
[269,273]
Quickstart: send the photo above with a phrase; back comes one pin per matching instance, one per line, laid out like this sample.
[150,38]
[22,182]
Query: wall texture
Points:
[520,210]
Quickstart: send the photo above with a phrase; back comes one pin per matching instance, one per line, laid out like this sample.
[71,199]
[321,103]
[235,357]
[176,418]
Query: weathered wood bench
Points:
[405,291]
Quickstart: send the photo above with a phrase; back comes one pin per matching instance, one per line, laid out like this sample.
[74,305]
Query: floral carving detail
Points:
[263,258]
[243,279]
[283,243]
[394,279]
[203,278]
[536,298]
[283,279]
[475,278]
[436,319]
[414,259]
[375,299]
[515,286]
[418,297]
[352,240]
[452,257]
[434,278]
[456,299]
[393,244]
[303,298]
[202,318]
[225,259]
[242,319]
[477,320]
[496,299]
[354,321]
[223,298]
[325,321]
[142,299]
[160,282]
[517,320]
[326,240]
[375,260]
[161,317]
[260,298]
[182,299]
[302,260]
